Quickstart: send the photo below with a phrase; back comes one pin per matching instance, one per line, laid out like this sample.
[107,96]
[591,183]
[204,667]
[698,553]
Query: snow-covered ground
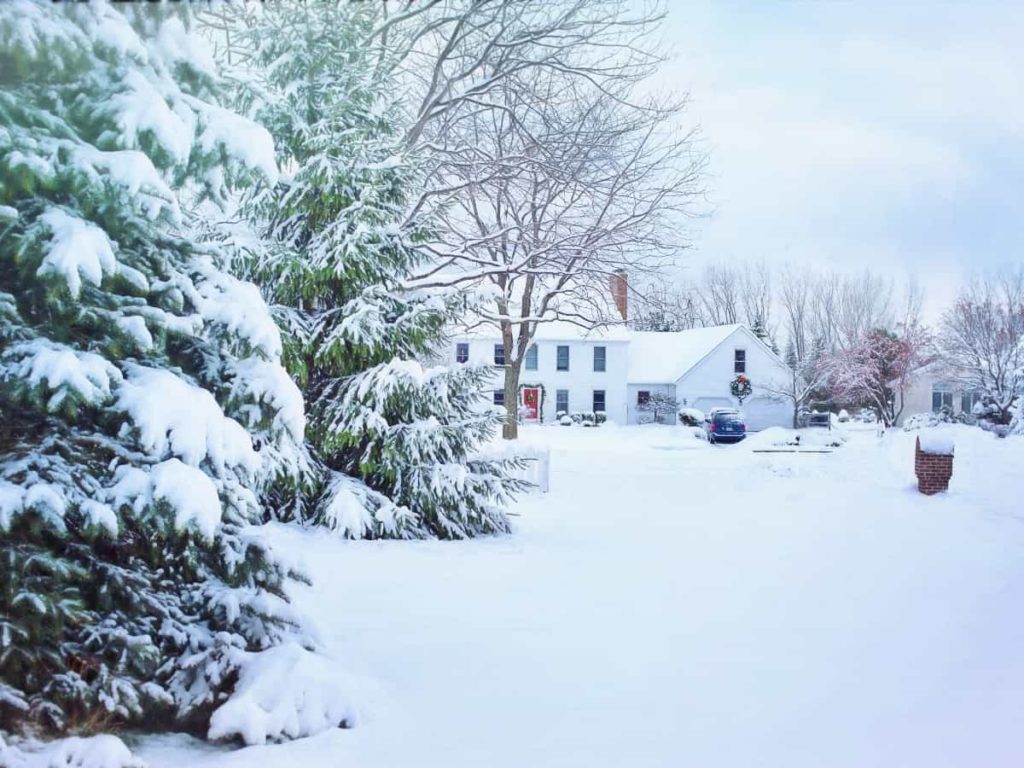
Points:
[670,603]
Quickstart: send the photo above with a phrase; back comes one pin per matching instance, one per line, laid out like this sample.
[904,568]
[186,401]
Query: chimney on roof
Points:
[620,292]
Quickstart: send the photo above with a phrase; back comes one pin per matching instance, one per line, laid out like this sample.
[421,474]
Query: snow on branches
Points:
[877,368]
[142,398]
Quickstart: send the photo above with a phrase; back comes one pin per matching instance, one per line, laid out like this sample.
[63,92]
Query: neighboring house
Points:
[932,390]
[616,371]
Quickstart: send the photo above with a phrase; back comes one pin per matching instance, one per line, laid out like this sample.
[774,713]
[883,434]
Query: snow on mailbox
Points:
[933,462]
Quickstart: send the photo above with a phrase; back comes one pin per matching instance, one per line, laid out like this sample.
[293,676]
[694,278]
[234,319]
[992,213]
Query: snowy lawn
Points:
[670,603]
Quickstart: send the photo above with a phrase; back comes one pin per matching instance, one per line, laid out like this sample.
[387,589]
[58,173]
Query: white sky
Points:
[852,134]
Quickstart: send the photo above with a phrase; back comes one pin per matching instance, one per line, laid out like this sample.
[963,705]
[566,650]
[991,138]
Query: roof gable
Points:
[664,358]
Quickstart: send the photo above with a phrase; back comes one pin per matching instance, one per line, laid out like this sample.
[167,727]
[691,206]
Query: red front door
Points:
[531,402]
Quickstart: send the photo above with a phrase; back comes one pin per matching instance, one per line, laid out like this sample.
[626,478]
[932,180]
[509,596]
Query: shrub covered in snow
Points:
[142,399]
[779,437]
[659,407]
[102,751]
[691,417]
[586,418]
[390,440]
[926,420]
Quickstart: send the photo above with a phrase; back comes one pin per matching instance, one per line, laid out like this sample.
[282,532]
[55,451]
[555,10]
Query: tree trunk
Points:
[510,429]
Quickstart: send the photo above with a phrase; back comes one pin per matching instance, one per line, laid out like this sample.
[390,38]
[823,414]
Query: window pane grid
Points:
[531,358]
[563,358]
[739,361]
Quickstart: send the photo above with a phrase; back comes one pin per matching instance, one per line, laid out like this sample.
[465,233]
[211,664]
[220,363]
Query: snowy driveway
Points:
[668,604]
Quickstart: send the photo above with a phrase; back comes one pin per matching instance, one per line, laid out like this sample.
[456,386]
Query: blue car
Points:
[724,426]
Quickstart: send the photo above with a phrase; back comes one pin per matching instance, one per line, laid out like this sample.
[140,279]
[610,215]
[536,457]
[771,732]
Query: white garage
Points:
[699,366]
[762,412]
[707,403]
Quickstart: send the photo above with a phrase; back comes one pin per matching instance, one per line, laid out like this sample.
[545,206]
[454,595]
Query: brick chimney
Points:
[620,292]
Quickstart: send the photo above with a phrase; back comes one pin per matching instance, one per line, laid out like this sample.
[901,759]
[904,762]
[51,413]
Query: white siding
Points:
[918,398]
[635,415]
[580,380]
[706,385]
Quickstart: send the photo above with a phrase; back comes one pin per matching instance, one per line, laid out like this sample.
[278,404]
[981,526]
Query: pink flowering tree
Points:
[878,368]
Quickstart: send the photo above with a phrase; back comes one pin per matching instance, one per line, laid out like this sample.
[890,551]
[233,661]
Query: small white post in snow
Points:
[543,469]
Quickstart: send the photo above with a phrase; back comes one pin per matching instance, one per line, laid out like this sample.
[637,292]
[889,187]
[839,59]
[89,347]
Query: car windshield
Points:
[726,416]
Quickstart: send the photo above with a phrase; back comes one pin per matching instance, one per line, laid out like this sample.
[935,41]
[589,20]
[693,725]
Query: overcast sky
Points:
[879,134]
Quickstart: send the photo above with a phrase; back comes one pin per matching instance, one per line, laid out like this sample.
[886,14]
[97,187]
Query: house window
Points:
[599,358]
[598,400]
[643,397]
[562,400]
[499,354]
[499,397]
[531,358]
[461,352]
[968,400]
[563,358]
[941,399]
[739,361]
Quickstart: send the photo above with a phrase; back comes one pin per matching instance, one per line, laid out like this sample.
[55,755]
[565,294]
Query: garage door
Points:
[707,403]
[762,412]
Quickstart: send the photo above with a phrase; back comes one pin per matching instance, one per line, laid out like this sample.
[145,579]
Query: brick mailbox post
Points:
[933,464]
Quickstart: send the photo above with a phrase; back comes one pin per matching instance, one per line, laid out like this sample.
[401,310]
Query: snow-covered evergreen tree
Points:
[141,392]
[391,440]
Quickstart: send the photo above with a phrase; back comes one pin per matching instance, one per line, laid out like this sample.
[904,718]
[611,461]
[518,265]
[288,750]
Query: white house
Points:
[934,389]
[566,369]
[697,368]
[616,371]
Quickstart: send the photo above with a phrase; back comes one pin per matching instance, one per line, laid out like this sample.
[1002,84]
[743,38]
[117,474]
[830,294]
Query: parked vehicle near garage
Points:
[823,420]
[725,426]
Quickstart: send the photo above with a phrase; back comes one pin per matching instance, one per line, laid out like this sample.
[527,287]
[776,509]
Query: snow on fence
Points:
[534,462]
[536,466]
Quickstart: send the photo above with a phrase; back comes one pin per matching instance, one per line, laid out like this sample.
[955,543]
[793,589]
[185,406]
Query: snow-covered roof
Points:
[661,358]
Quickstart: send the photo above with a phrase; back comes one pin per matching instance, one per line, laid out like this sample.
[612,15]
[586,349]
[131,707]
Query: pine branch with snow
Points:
[142,397]
[389,439]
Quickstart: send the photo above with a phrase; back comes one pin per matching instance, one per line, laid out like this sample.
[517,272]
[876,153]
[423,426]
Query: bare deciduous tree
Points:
[801,387]
[655,307]
[757,299]
[796,301]
[981,338]
[545,172]
[720,295]
[662,408]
